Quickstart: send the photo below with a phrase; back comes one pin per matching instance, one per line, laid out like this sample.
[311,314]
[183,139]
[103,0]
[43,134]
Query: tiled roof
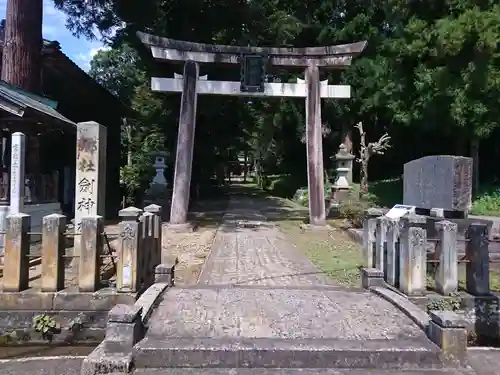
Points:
[23,99]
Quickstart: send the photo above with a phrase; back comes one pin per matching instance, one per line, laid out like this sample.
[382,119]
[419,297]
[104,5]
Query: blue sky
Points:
[79,50]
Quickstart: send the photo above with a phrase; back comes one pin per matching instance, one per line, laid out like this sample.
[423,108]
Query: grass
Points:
[487,202]
[332,252]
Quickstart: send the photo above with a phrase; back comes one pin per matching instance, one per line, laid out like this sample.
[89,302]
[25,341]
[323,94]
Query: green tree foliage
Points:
[119,70]
[430,75]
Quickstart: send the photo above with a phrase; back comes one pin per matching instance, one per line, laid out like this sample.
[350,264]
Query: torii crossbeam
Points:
[190,85]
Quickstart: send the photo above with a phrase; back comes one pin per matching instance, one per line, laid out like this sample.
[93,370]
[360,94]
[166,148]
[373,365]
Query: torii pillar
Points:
[185,146]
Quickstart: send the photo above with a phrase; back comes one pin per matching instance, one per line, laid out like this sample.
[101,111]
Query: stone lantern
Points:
[343,181]
[158,191]
[159,166]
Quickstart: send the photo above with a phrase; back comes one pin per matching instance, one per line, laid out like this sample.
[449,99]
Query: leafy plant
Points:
[76,324]
[46,325]
[452,303]
[354,211]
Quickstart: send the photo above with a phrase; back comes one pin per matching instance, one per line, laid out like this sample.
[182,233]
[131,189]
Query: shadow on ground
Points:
[209,213]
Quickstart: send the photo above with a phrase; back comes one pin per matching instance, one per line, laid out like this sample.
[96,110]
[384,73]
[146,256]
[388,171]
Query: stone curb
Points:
[149,300]
[230,352]
[446,329]
[355,235]
[125,327]
[415,313]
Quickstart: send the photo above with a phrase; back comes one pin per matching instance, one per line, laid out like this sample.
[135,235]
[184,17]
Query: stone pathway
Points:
[258,292]
[250,251]
[485,362]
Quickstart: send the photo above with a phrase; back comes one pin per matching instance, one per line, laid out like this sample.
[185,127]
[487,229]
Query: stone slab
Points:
[125,313]
[37,366]
[24,319]
[103,299]
[303,371]
[414,312]
[279,313]
[438,181]
[484,360]
[277,353]
[448,319]
[108,357]
[149,300]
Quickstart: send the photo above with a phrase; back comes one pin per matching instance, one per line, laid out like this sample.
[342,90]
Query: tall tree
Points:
[21,61]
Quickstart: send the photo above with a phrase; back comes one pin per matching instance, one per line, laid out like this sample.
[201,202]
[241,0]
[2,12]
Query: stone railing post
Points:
[165,273]
[392,261]
[369,227]
[53,248]
[156,210]
[17,247]
[381,243]
[147,248]
[447,270]
[128,275]
[413,255]
[478,266]
[89,270]
[124,325]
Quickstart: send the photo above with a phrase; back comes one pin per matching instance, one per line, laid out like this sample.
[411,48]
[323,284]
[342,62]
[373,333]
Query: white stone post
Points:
[90,190]
[17,180]
[413,255]
[381,243]
[447,272]
[392,259]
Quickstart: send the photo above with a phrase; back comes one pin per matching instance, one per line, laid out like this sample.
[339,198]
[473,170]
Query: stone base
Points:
[181,228]
[371,277]
[447,331]
[342,194]
[80,316]
[317,228]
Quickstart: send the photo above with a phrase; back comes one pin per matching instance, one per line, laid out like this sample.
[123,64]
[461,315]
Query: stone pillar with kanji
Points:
[90,172]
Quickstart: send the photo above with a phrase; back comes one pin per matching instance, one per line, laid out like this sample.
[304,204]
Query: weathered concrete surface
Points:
[248,250]
[287,371]
[485,362]
[42,366]
[282,312]
[261,303]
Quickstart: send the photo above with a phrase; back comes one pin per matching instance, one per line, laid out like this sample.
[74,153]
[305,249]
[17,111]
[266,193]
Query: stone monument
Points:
[90,171]
[17,168]
[439,182]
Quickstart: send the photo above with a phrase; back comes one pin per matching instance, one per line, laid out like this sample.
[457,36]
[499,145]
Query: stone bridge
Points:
[260,305]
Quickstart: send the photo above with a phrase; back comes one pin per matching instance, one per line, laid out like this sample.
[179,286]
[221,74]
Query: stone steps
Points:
[229,352]
[306,371]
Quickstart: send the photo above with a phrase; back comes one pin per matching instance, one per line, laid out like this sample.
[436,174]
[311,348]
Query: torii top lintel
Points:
[179,50]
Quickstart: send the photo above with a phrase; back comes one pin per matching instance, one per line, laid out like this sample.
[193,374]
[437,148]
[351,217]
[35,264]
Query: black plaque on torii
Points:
[253,73]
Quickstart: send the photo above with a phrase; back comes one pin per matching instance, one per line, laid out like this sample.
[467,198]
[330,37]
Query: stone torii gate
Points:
[190,84]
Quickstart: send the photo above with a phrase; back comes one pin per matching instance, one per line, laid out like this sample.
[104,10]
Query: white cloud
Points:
[83,59]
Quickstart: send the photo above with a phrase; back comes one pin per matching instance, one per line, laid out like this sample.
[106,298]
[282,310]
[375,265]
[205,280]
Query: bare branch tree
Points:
[366,152]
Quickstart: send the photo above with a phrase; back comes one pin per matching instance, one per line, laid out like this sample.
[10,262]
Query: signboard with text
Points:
[253,73]
[400,210]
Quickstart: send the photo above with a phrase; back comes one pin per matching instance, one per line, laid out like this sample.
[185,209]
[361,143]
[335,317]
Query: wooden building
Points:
[69,95]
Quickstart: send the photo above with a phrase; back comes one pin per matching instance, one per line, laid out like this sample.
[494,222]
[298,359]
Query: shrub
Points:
[285,186]
[301,196]
[354,211]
